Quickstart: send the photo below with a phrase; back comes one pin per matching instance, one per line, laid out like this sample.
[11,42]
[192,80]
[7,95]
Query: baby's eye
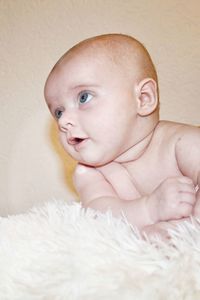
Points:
[58,113]
[84,97]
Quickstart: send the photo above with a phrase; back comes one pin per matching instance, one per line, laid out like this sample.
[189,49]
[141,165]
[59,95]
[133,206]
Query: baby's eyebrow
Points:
[84,86]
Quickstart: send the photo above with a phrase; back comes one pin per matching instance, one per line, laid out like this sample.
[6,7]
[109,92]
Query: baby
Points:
[103,94]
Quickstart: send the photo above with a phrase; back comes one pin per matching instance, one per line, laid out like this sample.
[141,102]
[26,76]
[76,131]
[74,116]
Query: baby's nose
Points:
[67,121]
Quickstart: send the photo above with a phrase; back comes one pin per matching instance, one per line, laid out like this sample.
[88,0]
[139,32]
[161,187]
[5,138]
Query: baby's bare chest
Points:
[146,175]
[154,166]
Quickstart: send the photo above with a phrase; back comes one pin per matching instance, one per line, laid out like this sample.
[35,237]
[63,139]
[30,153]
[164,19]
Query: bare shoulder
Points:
[186,144]
[81,171]
[91,184]
[177,132]
[182,142]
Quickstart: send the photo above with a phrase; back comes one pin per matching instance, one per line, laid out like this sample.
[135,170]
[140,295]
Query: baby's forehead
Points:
[88,54]
[99,56]
[81,65]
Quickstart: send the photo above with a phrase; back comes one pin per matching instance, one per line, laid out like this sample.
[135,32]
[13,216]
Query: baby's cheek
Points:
[62,139]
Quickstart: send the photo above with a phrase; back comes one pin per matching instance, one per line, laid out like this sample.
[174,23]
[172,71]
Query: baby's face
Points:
[93,102]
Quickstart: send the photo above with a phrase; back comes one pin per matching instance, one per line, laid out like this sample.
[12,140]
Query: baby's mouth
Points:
[75,141]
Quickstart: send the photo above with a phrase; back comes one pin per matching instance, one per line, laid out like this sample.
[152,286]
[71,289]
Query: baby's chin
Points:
[94,157]
[94,162]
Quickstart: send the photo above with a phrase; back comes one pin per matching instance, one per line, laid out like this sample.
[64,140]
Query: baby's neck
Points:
[137,150]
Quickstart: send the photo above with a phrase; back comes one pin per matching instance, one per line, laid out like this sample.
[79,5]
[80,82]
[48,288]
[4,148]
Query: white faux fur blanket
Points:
[59,251]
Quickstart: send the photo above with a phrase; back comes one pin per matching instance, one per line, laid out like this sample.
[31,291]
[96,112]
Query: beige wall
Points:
[34,34]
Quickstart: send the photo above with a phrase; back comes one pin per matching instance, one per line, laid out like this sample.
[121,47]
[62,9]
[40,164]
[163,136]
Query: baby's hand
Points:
[173,199]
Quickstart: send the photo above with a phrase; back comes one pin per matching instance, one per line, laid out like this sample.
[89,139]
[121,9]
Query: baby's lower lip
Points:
[80,144]
[77,143]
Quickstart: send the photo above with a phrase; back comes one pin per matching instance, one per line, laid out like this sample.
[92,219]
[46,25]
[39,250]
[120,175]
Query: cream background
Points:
[34,34]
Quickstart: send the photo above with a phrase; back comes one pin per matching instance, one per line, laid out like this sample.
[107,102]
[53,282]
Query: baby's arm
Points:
[97,193]
[173,199]
[188,158]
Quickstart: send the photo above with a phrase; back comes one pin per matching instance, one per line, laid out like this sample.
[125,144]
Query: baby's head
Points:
[103,94]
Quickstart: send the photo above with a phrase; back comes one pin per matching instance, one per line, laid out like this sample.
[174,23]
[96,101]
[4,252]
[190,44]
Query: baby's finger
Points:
[185,179]
[159,230]
[186,197]
[185,209]
[187,188]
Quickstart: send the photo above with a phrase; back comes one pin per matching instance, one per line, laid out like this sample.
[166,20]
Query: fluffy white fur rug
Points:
[60,252]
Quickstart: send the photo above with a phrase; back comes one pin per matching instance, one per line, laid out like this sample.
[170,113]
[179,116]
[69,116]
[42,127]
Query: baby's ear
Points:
[147,96]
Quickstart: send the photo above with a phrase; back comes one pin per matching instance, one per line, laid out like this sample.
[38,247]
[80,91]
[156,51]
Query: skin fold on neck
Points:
[137,150]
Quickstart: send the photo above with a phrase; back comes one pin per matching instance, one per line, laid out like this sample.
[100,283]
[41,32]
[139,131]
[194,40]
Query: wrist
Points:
[151,209]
